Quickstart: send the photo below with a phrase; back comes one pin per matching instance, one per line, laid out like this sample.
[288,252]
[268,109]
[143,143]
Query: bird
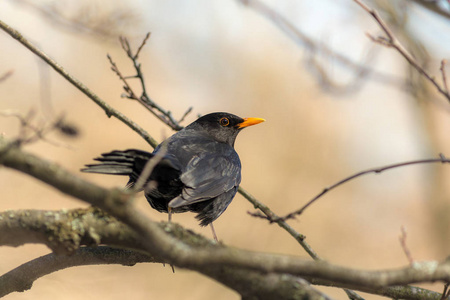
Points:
[196,169]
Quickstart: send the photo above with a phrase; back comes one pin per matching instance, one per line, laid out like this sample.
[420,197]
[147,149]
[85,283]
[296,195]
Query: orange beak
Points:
[249,122]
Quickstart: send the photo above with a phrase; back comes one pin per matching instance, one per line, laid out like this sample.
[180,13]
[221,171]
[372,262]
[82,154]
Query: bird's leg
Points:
[214,232]
[169,211]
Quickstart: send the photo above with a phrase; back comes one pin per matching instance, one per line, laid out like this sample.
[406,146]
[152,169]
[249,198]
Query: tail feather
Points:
[129,162]
[114,169]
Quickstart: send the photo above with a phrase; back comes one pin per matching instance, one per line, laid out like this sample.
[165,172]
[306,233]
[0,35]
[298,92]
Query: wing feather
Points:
[208,176]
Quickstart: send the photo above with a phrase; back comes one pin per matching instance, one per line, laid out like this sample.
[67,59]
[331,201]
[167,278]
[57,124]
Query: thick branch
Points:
[28,224]
[65,231]
[21,278]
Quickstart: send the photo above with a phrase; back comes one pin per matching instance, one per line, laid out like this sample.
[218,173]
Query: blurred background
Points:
[334,102]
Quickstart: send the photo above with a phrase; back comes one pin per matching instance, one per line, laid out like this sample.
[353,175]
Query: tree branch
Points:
[22,278]
[65,231]
[92,227]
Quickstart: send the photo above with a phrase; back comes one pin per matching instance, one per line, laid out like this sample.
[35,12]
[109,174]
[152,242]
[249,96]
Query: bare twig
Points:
[441,159]
[163,115]
[300,238]
[144,41]
[188,111]
[391,41]
[402,239]
[130,94]
[106,24]
[444,74]
[148,169]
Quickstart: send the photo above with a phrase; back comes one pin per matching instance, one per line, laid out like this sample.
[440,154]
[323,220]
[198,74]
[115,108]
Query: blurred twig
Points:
[391,41]
[105,22]
[361,70]
[433,5]
[75,82]
[6,75]
[402,239]
[444,74]
[29,133]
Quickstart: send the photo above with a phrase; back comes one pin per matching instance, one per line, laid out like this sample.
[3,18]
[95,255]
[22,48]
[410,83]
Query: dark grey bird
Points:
[196,169]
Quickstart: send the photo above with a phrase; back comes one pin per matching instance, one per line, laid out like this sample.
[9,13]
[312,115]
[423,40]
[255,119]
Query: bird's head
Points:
[223,127]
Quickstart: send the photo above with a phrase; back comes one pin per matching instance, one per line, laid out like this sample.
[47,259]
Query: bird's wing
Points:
[208,176]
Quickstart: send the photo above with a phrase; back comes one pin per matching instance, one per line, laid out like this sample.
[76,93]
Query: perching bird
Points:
[197,168]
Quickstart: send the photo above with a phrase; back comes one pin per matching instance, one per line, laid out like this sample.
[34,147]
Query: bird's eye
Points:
[224,122]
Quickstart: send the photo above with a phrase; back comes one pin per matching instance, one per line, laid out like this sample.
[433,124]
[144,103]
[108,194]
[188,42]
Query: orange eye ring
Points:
[224,122]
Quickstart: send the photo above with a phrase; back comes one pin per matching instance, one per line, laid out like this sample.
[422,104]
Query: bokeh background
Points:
[325,121]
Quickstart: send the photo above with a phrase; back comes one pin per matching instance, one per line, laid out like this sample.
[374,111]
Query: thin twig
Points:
[441,159]
[444,74]
[391,41]
[188,111]
[144,41]
[270,214]
[148,169]
[163,115]
[127,87]
[402,239]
